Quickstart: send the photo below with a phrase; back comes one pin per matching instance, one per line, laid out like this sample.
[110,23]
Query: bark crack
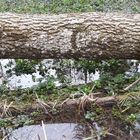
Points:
[73,39]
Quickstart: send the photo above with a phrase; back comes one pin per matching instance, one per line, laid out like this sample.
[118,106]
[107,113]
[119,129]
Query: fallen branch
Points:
[50,109]
[84,101]
[132,85]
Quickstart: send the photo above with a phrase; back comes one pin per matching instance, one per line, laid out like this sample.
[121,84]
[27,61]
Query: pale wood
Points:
[77,35]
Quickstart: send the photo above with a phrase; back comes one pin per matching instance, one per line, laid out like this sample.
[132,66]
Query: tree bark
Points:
[75,35]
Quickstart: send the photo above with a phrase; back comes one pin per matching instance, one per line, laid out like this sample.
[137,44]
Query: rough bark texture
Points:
[80,35]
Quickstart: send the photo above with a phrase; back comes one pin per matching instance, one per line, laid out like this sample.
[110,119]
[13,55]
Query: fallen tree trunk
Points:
[77,35]
[78,103]
[69,105]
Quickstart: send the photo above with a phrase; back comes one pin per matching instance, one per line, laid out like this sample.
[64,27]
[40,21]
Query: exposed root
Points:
[84,100]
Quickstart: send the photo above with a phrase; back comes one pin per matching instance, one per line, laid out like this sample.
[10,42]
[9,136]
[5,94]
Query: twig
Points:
[44,106]
[67,99]
[132,85]
[6,109]
[44,131]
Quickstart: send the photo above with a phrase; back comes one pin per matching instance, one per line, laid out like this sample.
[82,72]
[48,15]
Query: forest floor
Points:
[26,107]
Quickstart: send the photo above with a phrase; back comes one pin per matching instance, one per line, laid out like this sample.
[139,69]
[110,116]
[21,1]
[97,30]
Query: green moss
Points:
[116,113]
[4,122]
[66,6]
